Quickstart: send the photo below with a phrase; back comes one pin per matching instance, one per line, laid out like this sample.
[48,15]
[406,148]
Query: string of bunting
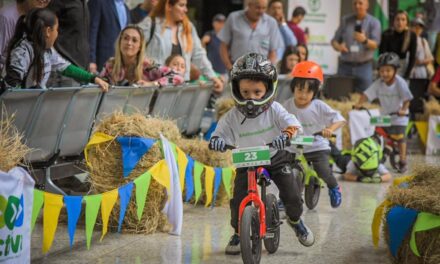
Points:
[400,220]
[132,149]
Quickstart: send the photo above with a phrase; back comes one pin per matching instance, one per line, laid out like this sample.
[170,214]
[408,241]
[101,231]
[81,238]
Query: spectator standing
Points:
[250,30]
[107,19]
[212,44]
[423,68]
[401,41]
[276,11]
[356,38]
[8,19]
[168,30]
[297,16]
[31,56]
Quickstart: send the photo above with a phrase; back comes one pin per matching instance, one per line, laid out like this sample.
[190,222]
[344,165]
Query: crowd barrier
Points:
[57,122]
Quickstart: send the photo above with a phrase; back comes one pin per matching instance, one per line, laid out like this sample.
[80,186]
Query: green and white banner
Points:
[322,20]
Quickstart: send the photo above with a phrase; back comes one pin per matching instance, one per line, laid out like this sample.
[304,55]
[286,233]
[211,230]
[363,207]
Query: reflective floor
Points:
[342,236]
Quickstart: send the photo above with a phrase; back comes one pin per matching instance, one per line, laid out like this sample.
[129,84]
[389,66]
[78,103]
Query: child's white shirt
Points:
[239,131]
[314,118]
[391,98]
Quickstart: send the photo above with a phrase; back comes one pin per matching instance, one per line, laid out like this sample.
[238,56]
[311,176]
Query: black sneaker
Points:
[403,166]
[233,247]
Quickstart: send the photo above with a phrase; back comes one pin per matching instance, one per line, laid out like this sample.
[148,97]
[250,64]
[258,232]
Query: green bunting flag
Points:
[424,222]
[93,202]
[198,169]
[142,185]
[227,178]
[38,203]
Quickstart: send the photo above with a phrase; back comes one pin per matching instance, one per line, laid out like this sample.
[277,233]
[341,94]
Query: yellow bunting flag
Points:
[182,161]
[377,220]
[422,129]
[52,207]
[96,138]
[209,183]
[161,174]
[107,203]
[400,180]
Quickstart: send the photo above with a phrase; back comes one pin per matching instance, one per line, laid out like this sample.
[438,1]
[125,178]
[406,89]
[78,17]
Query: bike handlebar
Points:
[368,111]
[320,134]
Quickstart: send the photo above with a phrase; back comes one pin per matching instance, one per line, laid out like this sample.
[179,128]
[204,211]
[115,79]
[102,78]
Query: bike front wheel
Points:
[250,240]
[312,192]
[272,240]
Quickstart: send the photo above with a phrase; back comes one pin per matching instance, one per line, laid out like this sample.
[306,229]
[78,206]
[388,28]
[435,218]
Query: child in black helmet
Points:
[255,121]
[394,97]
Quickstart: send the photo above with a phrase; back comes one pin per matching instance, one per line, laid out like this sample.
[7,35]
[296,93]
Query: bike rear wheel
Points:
[312,192]
[250,241]
[272,240]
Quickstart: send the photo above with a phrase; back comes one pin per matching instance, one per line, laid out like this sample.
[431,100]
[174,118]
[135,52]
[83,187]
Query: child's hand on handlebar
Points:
[217,144]
[280,142]
[402,112]
[327,133]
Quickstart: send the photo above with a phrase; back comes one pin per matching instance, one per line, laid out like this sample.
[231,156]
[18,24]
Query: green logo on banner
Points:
[11,216]
[314,5]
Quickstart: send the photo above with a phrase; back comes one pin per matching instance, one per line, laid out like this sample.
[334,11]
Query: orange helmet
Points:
[308,70]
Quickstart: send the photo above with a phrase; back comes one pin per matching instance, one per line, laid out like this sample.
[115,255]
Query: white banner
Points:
[16,198]
[322,20]
[433,142]
[359,124]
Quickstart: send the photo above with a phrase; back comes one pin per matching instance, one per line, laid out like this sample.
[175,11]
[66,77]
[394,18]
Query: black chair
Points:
[338,87]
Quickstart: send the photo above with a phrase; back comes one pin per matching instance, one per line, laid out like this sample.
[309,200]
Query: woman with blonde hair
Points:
[129,65]
[169,31]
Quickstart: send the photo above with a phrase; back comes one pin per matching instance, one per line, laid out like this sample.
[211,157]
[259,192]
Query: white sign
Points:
[16,198]
[322,19]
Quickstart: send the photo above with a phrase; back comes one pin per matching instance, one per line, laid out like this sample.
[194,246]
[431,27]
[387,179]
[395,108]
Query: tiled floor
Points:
[342,236]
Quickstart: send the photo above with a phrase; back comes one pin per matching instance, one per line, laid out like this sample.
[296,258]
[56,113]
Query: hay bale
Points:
[12,150]
[223,105]
[198,150]
[106,168]
[345,107]
[422,195]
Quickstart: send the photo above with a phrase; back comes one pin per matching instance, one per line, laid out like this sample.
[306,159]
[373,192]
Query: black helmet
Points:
[388,58]
[256,67]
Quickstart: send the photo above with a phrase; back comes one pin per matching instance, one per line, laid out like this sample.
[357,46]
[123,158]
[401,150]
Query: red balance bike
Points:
[259,217]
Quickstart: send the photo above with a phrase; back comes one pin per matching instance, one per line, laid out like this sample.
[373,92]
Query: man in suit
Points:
[107,19]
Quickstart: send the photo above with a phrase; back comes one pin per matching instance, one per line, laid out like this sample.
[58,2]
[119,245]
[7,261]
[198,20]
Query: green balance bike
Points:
[310,181]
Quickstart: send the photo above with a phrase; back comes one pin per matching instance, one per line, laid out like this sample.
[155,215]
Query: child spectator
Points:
[31,55]
[290,59]
[255,120]
[172,73]
[394,97]
[315,116]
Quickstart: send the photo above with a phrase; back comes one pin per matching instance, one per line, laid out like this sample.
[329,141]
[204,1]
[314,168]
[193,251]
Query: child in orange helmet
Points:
[315,116]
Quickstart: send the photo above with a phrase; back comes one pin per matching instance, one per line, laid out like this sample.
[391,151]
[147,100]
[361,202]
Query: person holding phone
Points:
[356,39]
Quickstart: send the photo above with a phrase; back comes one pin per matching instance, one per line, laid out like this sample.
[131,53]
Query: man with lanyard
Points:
[250,30]
[356,39]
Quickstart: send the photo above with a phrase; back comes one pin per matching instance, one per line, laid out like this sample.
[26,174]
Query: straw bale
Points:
[198,150]
[223,105]
[106,168]
[12,150]
[422,195]
[344,107]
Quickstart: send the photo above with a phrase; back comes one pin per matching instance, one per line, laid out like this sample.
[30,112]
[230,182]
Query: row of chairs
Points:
[57,123]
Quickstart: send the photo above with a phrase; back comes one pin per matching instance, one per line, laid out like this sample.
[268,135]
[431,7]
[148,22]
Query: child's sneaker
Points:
[303,232]
[403,166]
[335,196]
[233,247]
